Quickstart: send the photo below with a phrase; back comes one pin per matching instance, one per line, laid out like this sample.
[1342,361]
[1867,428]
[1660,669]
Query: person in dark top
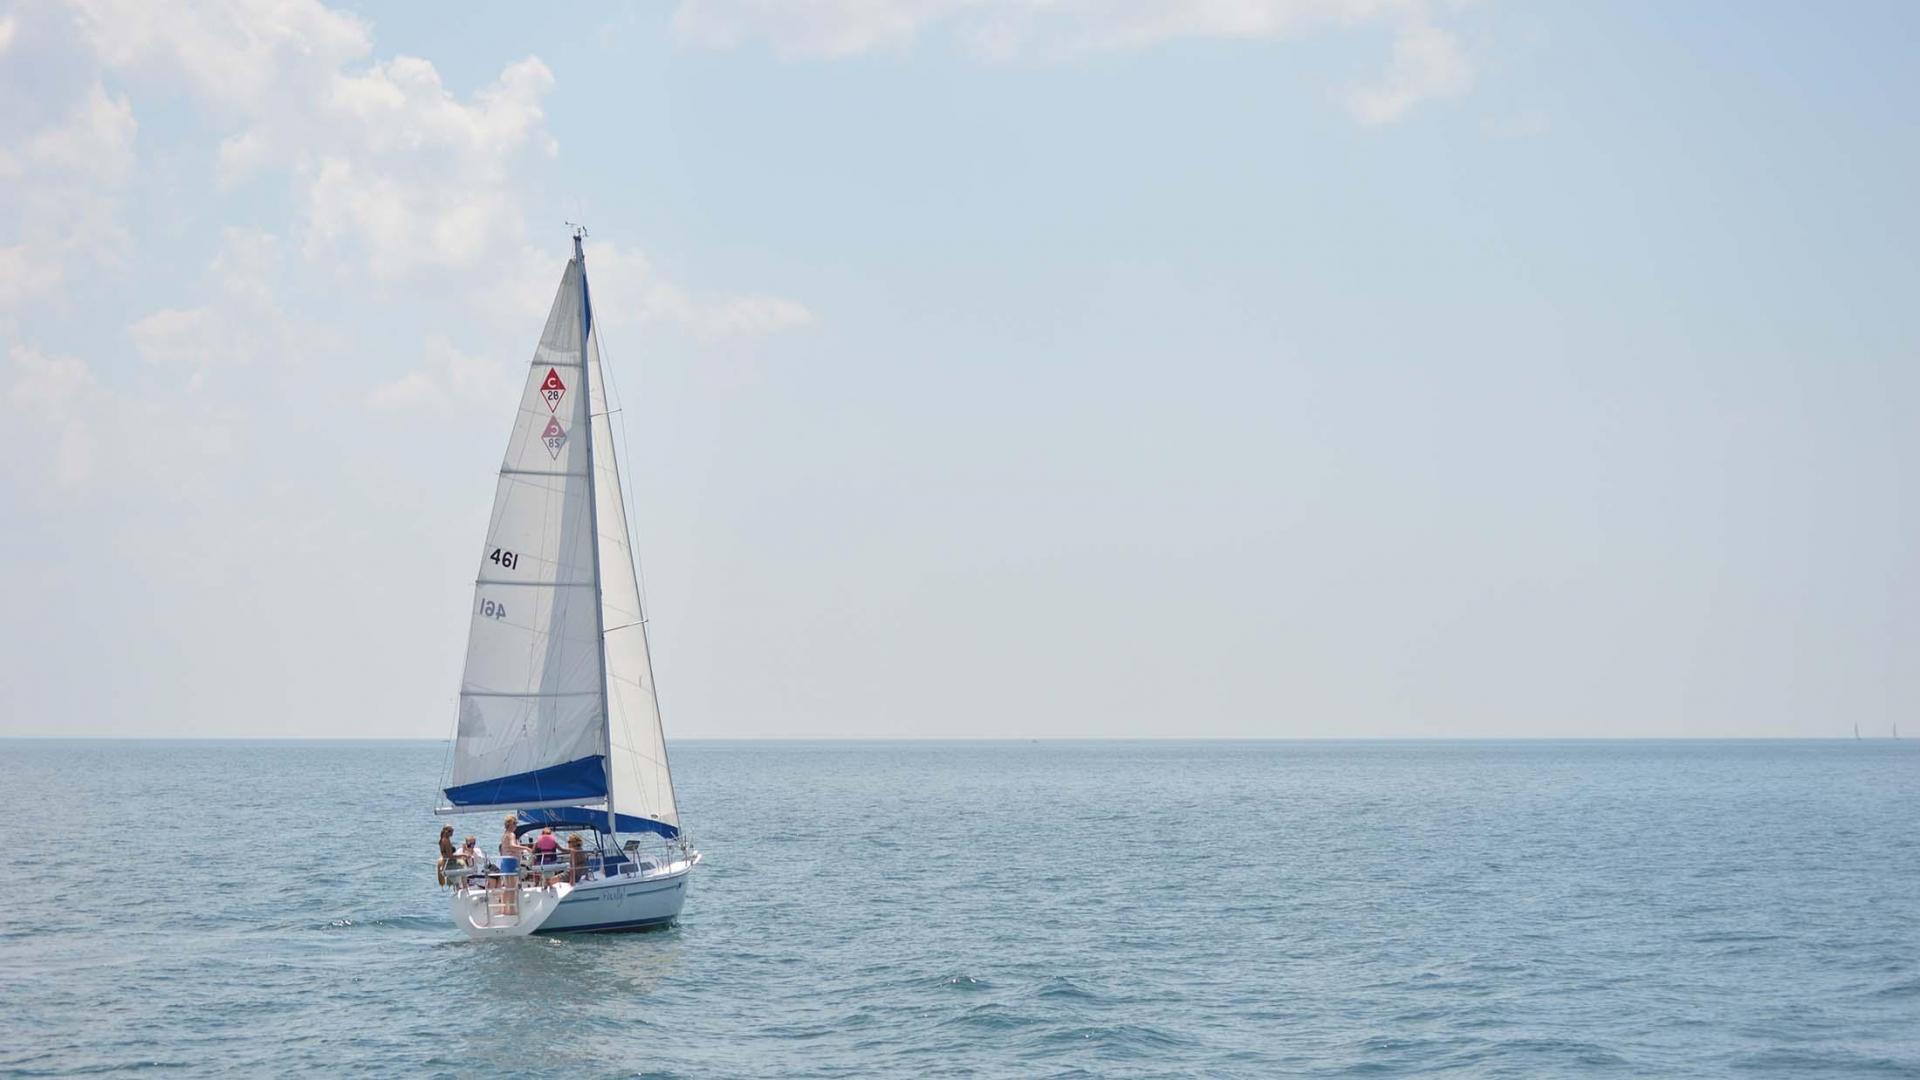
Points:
[446,853]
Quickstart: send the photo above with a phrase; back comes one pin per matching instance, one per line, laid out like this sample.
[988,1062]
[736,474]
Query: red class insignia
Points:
[555,437]
[553,390]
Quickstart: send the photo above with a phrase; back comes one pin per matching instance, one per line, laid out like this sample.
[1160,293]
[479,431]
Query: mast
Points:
[593,526]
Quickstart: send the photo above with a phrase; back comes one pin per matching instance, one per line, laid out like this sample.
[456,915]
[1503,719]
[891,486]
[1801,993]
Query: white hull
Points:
[631,902]
[512,911]
[622,902]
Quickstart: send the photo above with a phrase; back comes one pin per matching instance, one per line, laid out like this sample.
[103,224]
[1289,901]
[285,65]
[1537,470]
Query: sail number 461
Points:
[493,609]
[505,558]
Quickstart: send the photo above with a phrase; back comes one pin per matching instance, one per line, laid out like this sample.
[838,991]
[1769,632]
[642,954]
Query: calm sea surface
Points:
[1051,909]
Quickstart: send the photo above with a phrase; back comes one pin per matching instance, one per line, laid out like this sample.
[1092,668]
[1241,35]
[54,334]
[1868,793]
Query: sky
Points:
[999,368]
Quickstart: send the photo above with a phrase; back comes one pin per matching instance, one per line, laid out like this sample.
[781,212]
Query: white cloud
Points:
[416,391]
[390,172]
[48,400]
[93,140]
[828,29]
[247,57]
[189,337]
[414,179]
[1427,61]
[17,276]
[71,432]
[447,381]
[247,263]
[392,179]
[1427,64]
[60,194]
[628,290]
[388,166]
[241,320]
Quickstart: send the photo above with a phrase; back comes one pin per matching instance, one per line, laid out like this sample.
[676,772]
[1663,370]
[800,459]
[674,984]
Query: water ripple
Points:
[1067,910]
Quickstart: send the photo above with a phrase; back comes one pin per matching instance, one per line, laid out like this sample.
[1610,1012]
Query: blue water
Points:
[1080,909]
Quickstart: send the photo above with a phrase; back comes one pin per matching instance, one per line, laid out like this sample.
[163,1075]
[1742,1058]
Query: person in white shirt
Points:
[471,858]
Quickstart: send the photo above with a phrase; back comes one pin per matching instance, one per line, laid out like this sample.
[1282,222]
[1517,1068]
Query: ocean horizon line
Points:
[1012,739]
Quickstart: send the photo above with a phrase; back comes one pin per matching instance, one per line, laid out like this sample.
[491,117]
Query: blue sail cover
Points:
[558,816]
[583,778]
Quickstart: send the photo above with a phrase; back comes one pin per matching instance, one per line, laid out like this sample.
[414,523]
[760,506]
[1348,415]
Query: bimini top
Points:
[580,817]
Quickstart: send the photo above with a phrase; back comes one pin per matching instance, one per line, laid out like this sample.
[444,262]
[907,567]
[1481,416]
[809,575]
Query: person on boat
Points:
[510,846]
[446,854]
[576,859]
[471,857]
[547,845]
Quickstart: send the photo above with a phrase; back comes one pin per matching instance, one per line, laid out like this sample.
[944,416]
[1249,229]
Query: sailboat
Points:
[559,722]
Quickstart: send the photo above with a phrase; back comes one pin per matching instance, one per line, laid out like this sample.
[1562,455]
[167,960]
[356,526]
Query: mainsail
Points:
[557,704]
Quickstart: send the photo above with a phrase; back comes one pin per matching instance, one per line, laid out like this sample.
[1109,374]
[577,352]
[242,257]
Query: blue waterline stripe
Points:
[635,925]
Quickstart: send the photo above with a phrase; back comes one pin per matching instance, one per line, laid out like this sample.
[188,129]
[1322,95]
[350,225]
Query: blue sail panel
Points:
[584,779]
